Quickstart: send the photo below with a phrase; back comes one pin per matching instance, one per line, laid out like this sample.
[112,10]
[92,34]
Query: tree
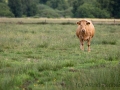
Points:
[70,2]
[1,0]
[112,6]
[43,1]
[57,4]
[29,7]
[89,9]
[115,12]
[106,5]
[46,11]
[5,11]
[16,7]
[23,7]
[76,4]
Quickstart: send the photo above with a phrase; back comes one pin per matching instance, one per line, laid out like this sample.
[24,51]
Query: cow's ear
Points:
[78,23]
[88,23]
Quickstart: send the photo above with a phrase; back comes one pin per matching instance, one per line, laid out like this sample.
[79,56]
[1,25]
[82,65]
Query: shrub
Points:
[65,13]
[46,11]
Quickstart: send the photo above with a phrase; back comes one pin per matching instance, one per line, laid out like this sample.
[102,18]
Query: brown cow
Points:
[85,32]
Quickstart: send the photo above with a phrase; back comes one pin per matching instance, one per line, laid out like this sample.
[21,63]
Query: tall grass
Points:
[47,57]
[100,78]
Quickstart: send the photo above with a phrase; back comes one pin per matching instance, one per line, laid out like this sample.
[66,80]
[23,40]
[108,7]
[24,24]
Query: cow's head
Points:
[83,25]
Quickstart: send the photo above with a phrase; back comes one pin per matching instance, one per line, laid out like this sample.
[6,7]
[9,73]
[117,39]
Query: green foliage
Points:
[89,9]
[76,4]
[115,8]
[112,6]
[65,8]
[46,11]
[43,1]
[29,7]
[5,10]
[16,7]
[57,4]
[2,1]
[65,13]
[23,7]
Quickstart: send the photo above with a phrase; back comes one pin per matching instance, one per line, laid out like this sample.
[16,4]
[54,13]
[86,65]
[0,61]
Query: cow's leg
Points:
[88,45]
[81,44]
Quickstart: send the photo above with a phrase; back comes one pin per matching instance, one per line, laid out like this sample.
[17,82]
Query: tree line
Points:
[60,8]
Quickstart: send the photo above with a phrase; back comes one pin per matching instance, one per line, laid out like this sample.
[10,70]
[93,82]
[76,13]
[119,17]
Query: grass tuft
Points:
[109,42]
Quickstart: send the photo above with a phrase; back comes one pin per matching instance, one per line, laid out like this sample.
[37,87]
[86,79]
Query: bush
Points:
[65,13]
[5,11]
[46,11]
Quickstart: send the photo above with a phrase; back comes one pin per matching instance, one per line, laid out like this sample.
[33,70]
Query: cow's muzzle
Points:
[83,30]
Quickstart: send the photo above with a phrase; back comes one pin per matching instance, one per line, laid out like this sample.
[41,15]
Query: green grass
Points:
[47,57]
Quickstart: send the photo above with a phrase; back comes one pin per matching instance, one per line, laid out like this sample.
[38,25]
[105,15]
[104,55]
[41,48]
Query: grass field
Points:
[47,57]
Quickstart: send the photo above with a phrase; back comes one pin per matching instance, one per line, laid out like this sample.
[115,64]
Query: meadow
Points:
[48,57]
